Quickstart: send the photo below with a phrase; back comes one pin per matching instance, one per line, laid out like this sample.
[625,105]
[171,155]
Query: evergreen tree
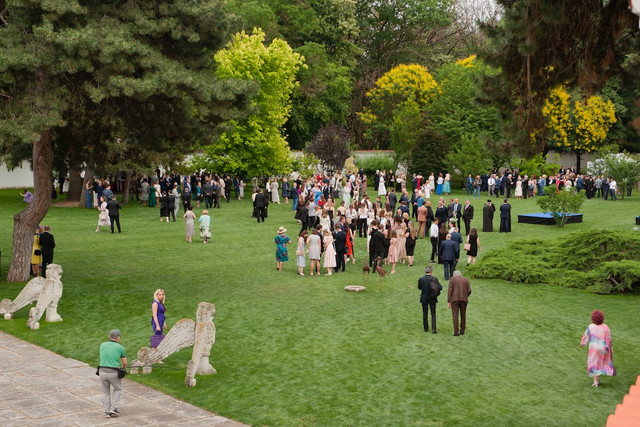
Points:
[95,71]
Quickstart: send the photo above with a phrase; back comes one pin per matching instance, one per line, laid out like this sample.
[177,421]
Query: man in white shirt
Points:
[433,234]
[492,184]
[613,185]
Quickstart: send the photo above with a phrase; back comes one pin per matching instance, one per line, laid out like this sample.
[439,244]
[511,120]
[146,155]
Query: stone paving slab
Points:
[41,388]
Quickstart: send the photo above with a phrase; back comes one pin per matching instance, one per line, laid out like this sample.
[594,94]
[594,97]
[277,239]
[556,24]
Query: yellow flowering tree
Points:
[402,86]
[581,126]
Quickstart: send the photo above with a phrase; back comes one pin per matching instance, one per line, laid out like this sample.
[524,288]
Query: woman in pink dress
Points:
[329,253]
[598,336]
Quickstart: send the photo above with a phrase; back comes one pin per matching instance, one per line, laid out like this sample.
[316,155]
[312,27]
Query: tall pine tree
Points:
[95,71]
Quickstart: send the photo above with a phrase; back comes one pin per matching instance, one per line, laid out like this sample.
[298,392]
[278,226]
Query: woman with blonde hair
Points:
[314,243]
[300,252]
[103,216]
[158,309]
[330,261]
[36,252]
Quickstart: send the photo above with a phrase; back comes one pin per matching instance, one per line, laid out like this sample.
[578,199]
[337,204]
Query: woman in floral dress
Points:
[281,241]
[598,336]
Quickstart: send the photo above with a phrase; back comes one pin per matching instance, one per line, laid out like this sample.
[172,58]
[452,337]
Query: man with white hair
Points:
[457,300]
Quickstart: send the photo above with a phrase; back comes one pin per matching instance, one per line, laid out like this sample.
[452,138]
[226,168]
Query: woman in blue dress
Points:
[157,312]
[281,241]
[446,187]
[439,186]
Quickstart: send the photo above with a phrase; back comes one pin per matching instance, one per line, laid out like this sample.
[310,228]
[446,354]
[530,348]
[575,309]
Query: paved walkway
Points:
[38,387]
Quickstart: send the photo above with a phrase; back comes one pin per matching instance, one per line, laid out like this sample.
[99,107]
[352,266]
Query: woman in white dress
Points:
[103,216]
[519,188]
[275,197]
[432,182]
[346,193]
[382,190]
[329,253]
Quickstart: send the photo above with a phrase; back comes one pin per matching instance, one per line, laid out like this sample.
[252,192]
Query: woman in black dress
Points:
[474,246]
[410,243]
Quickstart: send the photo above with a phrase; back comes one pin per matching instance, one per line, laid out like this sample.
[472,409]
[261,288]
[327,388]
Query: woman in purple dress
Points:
[157,312]
[599,360]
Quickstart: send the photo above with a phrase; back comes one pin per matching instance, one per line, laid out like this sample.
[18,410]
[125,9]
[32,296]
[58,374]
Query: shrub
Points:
[601,262]
[371,164]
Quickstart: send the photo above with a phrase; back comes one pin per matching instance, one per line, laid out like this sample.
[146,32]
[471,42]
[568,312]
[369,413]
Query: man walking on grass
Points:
[429,297]
[457,300]
[113,206]
[112,357]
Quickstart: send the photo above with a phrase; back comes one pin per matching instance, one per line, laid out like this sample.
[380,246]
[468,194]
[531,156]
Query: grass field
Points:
[294,350]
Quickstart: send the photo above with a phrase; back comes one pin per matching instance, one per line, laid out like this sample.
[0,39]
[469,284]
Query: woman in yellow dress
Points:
[36,253]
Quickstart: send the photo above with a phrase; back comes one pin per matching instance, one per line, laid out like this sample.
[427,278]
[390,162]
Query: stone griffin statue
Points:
[46,292]
[200,334]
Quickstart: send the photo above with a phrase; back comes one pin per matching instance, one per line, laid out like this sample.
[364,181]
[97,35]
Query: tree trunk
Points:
[75,186]
[125,190]
[578,158]
[24,222]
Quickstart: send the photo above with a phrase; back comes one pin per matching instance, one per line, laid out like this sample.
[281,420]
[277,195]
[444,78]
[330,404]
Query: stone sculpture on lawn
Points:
[200,334]
[47,292]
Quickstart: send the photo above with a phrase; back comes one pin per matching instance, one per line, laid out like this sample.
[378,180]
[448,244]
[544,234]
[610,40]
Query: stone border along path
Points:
[39,387]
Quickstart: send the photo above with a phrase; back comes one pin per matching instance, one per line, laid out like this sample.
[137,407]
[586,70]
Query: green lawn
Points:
[294,350]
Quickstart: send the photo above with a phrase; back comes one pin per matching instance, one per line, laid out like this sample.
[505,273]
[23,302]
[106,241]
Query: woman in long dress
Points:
[281,241]
[446,188]
[329,253]
[519,188]
[392,256]
[315,251]
[410,243]
[103,215]
[158,323]
[300,252]
[36,252]
[401,230]
[439,186]
[144,191]
[189,219]
[600,359]
[275,196]
[152,196]
[474,246]
[382,189]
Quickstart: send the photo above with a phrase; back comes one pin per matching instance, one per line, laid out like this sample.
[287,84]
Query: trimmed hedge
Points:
[601,262]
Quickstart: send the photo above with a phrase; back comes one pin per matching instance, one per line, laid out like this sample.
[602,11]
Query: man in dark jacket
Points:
[378,244]
[428,300]
[113,206]
[260,205]
[467,216]
[450,251]
[47,243]
[341,243]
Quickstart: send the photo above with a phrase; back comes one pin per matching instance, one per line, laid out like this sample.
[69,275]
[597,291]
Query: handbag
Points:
[122,372]
[467,246]
[37,252]
[155,340]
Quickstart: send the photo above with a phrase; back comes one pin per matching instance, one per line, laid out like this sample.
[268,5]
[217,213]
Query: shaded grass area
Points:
[296,350]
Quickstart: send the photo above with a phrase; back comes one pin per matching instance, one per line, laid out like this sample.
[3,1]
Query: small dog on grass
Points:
[379,269]
[366,270]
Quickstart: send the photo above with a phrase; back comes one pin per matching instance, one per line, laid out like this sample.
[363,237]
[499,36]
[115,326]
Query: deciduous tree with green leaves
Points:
[559,203]
[105,70]
[256,145]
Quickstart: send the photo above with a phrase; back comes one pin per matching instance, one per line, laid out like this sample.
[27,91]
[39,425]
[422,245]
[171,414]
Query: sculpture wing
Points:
[180,336]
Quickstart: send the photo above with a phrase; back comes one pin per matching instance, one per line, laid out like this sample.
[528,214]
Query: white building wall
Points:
[20,177]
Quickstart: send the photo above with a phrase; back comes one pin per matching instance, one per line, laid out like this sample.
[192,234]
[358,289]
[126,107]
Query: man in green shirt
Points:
[112,356]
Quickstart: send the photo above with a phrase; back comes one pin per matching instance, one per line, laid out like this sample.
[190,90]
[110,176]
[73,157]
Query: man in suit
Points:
[113,206]
[260,203]
[505,217]
[377,239]
[47,243]
[457,238]
[392,199]
[340,238]
[457,299]
[428,301]
[450,254]
[467,216]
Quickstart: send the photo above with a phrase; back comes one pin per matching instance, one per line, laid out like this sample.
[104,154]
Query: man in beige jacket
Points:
[457,299]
